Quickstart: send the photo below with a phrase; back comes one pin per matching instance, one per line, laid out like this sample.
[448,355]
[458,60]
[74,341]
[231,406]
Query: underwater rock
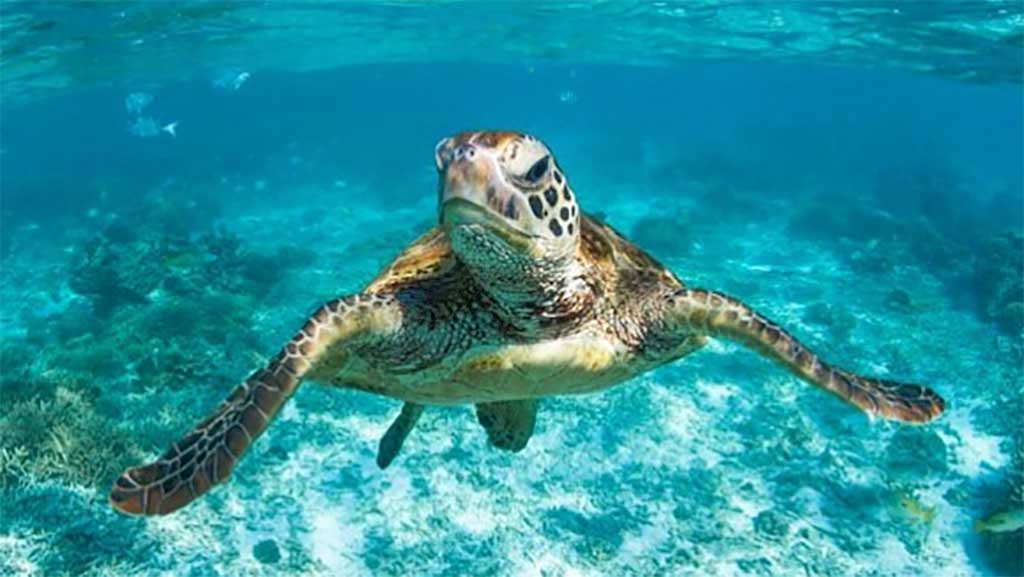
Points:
[266,552]
[664,236]
[97,276]
[837,319]
[820,313]
[898,300]
[600,534]
[261,269]
[771,524]
[120,232]
[227,266]
[998,281]
[224,247]
[936,249]
[295,256]
[758,566]
[730,202]
[916,453]
[1010,317]
[841,218]
[871,261]
[923,189]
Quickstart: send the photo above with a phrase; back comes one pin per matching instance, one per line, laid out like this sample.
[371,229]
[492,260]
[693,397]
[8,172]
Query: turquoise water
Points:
[853,170]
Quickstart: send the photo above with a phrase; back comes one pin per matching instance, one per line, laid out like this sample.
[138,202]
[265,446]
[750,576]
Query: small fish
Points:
[1004,522]
[240,80]
[917,510]
[136,102]
[185,260]
[231,79]
[144,127]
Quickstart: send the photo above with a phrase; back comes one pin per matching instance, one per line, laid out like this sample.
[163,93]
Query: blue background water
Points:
[873,208]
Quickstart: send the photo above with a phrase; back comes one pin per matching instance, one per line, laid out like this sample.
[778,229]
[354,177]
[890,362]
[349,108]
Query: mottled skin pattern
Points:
[516,295]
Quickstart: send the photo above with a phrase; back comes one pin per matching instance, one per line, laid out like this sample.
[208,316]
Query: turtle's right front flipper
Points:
[208,454]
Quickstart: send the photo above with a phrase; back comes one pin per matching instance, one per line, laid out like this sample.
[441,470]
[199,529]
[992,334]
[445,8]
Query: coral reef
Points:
[60,437]
[928,189]
[1004,550]
[99,274]
[834,317]
[664,236]
[998,281]
[915,217]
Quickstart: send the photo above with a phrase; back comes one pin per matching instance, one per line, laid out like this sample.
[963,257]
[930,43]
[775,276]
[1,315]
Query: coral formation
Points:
[102,275]
[998,281]
[60,437]
[665,236]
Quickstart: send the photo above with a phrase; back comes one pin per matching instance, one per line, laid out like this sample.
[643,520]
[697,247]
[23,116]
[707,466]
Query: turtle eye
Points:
[539,169]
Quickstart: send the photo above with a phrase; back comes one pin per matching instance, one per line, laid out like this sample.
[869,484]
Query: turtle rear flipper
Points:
[509,424]
[208,454]
[716,314]
[392,440]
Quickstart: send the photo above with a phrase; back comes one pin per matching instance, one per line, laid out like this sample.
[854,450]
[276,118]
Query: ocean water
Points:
[183,183]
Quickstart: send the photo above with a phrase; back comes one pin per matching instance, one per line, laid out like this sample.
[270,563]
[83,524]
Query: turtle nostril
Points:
[467,151]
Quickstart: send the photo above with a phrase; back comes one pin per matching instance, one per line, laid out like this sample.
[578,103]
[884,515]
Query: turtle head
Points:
[507,208]
[505,186]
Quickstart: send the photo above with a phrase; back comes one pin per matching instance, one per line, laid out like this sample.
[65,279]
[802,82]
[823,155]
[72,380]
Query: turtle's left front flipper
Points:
[208,454]
[714,314]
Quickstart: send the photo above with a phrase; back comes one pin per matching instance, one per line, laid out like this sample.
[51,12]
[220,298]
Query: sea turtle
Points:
[514,296]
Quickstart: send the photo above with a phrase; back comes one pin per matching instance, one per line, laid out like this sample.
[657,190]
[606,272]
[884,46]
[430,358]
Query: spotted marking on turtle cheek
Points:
[501,204]
[552,196]
[536,206]
[511,210]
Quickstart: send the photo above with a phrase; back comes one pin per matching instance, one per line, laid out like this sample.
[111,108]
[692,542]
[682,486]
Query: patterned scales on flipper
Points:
[720,315]
[207,455]
[509,424]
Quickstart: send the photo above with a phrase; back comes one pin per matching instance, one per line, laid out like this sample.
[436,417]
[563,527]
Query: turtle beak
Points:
[473,193]
[459,213]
